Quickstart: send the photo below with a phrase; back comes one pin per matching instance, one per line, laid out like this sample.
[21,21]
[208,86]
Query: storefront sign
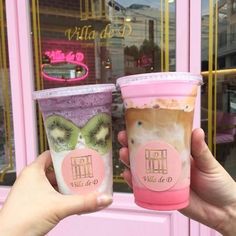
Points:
[87,32]
[57,69]
[58,55]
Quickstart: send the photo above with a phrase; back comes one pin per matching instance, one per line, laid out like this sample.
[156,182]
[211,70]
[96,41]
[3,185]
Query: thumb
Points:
[201,154]
[79,204]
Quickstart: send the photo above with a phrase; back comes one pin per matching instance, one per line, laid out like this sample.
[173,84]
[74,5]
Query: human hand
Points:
[213,191]
[34,207]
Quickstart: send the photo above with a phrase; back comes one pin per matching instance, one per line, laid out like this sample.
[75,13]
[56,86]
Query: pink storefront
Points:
[49,44]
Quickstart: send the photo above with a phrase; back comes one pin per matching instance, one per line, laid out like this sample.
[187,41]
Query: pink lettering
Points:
[58,55]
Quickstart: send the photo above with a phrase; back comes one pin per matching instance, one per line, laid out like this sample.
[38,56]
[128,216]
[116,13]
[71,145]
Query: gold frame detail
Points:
[38,63]
[167,24]
[215,77]
[212,74]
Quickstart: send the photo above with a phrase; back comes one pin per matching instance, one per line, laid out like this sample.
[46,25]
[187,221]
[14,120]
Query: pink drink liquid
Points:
[150,200]
[159,116]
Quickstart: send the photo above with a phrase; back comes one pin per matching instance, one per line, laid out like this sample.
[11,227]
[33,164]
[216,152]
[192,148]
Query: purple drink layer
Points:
[78,108]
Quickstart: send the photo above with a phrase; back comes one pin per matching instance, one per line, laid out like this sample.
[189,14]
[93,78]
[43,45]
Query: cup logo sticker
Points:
[83,170]
[158,165]
[82,167]
[156,161]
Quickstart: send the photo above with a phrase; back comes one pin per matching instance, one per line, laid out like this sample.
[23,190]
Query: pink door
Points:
[112,38]
[12,136]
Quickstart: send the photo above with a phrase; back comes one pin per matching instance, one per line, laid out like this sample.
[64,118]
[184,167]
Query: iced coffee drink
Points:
[159,118]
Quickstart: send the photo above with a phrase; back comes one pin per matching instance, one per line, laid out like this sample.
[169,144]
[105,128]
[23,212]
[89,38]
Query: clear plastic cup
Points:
[159,111]
[78,125]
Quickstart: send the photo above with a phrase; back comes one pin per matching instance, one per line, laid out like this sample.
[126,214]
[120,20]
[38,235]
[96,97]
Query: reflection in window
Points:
[93,9]
[218,114]
[233,2]
[223,39]
[116,37]
[233,33]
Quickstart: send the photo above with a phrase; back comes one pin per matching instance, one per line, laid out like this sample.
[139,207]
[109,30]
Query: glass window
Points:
[7,155]
[219,89]
[233,6]
[97,41]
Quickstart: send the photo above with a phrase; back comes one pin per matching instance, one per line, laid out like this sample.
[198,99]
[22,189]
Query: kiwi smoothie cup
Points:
[78,126]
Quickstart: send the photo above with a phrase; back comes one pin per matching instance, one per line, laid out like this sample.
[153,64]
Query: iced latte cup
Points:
[78,125]
[159,110]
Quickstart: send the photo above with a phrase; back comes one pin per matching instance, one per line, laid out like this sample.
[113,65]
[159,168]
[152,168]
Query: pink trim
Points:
[16,86]
[67,80]
[195,51]
[3,193]
[125,216]
[197,229]
[27,66]
[182,35]
[179,224]
[16,90]
[195,36]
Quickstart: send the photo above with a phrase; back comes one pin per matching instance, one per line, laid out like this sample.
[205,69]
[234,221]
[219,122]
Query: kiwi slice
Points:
[62,134]
[97,133]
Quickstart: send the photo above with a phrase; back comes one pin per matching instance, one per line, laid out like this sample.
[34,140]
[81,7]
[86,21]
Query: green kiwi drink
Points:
[77,121]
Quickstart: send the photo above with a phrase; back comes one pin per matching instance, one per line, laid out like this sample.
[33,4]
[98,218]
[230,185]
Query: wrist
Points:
[228,226]
[15,230]
[12,227]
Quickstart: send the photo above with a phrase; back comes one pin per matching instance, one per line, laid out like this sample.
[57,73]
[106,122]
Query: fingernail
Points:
[104,200]
[124,163]
[123,144]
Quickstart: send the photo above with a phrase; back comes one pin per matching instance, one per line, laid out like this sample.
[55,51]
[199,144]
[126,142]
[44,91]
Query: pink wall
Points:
[16,90]
[16,86]
[123,217]
[182,35]
[26,59]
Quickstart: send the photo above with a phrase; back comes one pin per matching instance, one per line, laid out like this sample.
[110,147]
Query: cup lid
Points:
[73,90]
[159,77]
